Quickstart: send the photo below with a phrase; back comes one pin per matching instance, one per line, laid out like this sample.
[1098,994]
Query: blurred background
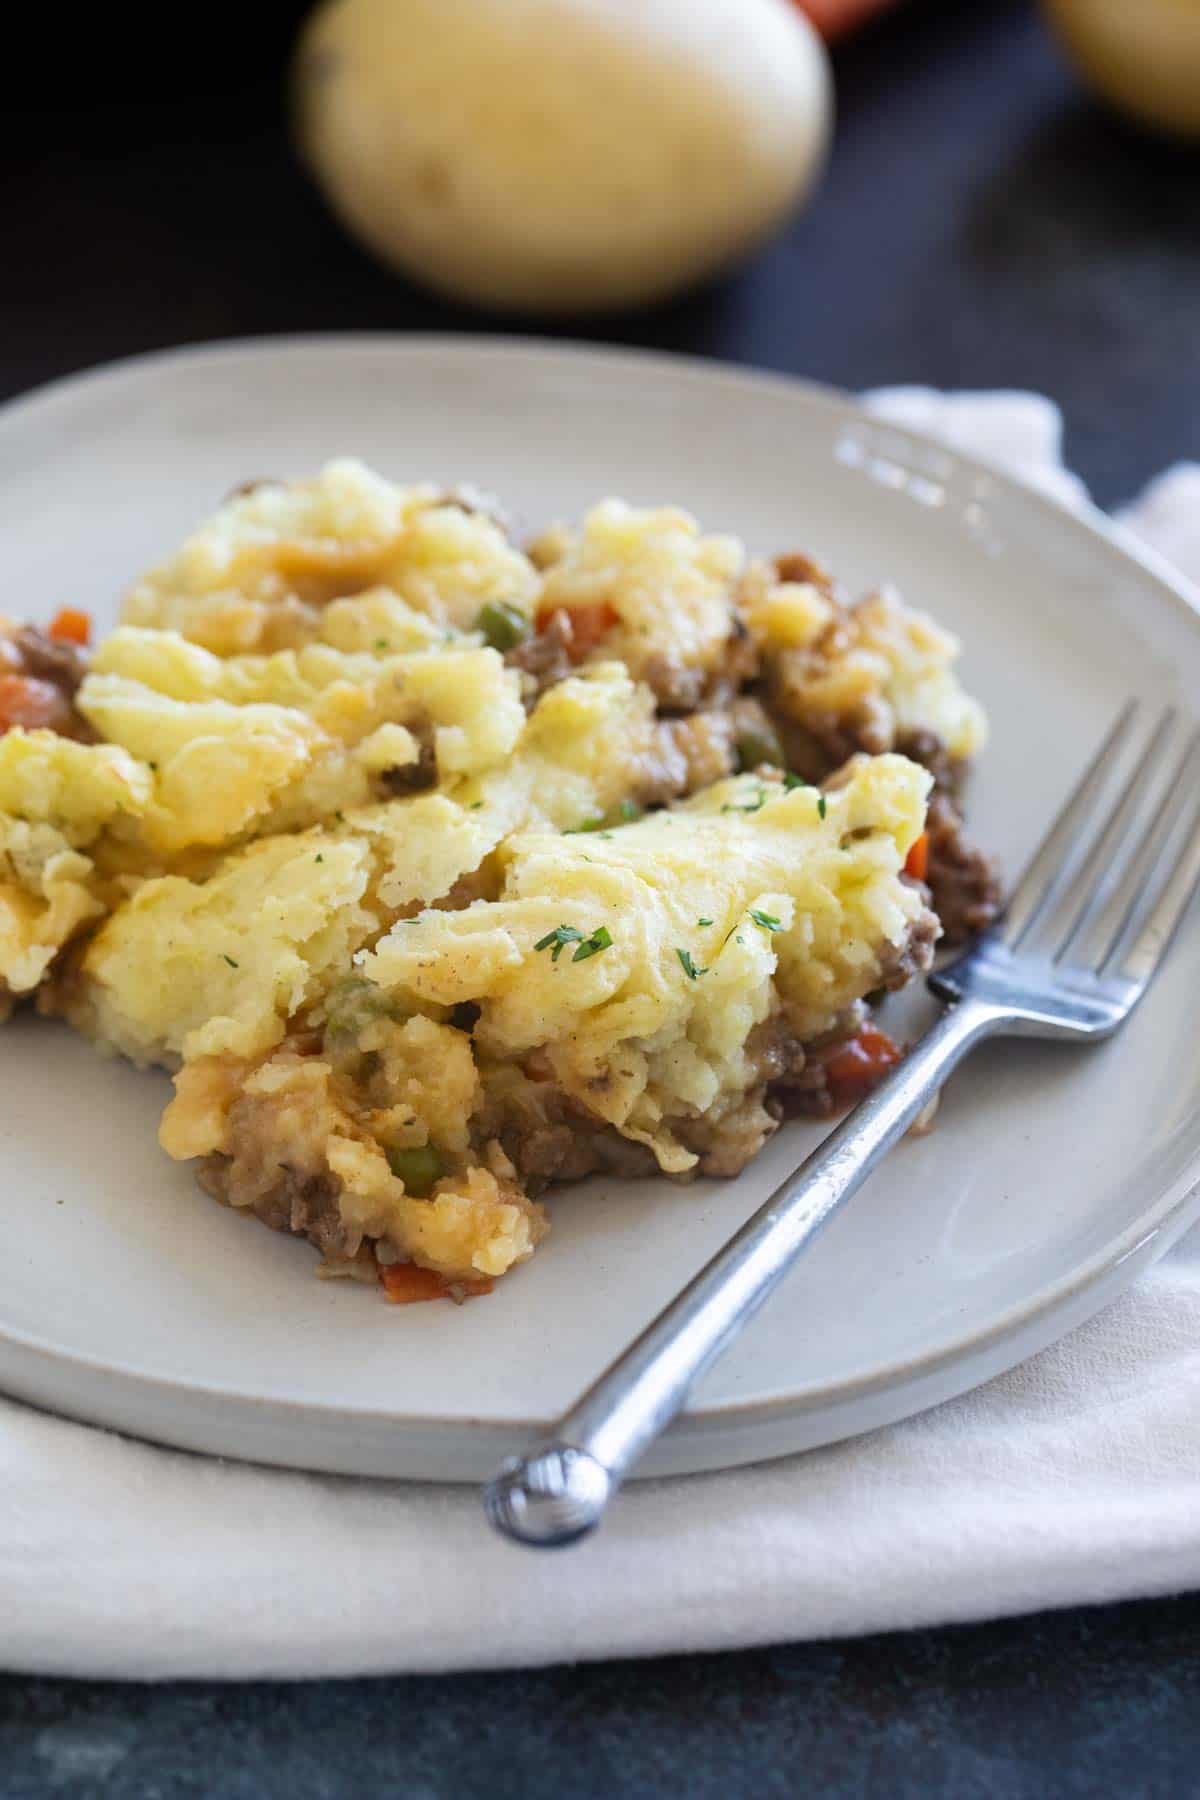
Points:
[983,219]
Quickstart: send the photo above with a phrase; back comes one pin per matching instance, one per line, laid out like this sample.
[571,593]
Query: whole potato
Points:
[1142,55]
[562,155]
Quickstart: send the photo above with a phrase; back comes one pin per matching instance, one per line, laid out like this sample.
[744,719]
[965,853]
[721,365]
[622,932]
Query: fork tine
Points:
[1100,935]
[1036,883]
[1140,961]
[1089,880]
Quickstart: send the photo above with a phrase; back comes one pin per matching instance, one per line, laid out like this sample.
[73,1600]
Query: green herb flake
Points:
[475,806]
[688,965]
[822,806]
[629,810]
[382,644]
[754,806]
[767,920]
[704,921]
[791,781]
[560,937]
[600,939]
[320,858]
[230,961]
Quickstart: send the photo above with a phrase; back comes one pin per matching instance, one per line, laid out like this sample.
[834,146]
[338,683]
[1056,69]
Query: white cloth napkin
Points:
[1075,1478]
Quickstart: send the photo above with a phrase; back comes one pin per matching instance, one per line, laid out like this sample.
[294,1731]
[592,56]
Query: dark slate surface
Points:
[1099,1703]
[981,225]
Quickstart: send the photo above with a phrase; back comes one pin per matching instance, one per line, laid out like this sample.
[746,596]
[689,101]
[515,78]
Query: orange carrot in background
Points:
[31,704]
[916,863]
[406,1284]
[71,626]
[834,18]
[854,1069]
[589,625]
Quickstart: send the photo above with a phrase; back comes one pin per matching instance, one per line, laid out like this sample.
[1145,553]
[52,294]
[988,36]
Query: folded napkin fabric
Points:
[1074,1478]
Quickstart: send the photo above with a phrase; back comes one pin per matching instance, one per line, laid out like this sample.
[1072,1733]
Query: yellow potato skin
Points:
[553,155]
[1144,58]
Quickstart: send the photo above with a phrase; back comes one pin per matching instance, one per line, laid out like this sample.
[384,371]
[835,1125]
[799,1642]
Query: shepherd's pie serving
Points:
[440,869]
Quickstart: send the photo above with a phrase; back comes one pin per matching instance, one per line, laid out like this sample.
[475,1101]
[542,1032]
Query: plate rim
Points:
[1136,1243]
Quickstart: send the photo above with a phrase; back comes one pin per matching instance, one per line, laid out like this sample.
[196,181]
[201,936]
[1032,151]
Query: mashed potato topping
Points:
[56,799]
[254,744]
[700,922]
[257,575]
[438,871]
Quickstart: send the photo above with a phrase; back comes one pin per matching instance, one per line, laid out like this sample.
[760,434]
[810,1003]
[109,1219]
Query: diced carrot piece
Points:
[856,1066]
[590,625]
[32,704]
[917,861]
[406,1284]
[71,625]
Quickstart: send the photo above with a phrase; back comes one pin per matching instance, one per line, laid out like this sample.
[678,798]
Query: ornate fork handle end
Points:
[552,1495]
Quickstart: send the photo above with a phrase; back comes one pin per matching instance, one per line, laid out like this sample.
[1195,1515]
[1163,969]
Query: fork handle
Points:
[557,1490]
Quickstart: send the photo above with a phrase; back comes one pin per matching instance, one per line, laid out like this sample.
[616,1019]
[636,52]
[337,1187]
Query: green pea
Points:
[758,745]
[418,1166]
[503,627]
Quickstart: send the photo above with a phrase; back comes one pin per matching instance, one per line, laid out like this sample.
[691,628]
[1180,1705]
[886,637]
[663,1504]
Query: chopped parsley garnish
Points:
[230,961]
[624,814]
[791,781]
[767,920]
[600,939]
[822,806]
[704,921]
[688,965]
[320,858]
[560,937]
[382,644]
[475,806]
[733,805]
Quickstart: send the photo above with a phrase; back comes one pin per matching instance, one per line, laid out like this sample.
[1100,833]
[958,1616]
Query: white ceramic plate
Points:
[129,1299]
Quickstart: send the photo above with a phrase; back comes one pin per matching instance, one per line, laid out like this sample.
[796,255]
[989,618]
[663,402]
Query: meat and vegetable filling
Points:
[442,871]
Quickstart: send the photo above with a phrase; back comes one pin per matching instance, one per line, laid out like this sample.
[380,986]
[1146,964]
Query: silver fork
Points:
[1083,934]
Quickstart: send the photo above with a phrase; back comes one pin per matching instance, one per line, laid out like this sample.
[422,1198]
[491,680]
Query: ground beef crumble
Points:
[414,777]
[543,658]
[304,1205]
[54,668]
[962,879]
